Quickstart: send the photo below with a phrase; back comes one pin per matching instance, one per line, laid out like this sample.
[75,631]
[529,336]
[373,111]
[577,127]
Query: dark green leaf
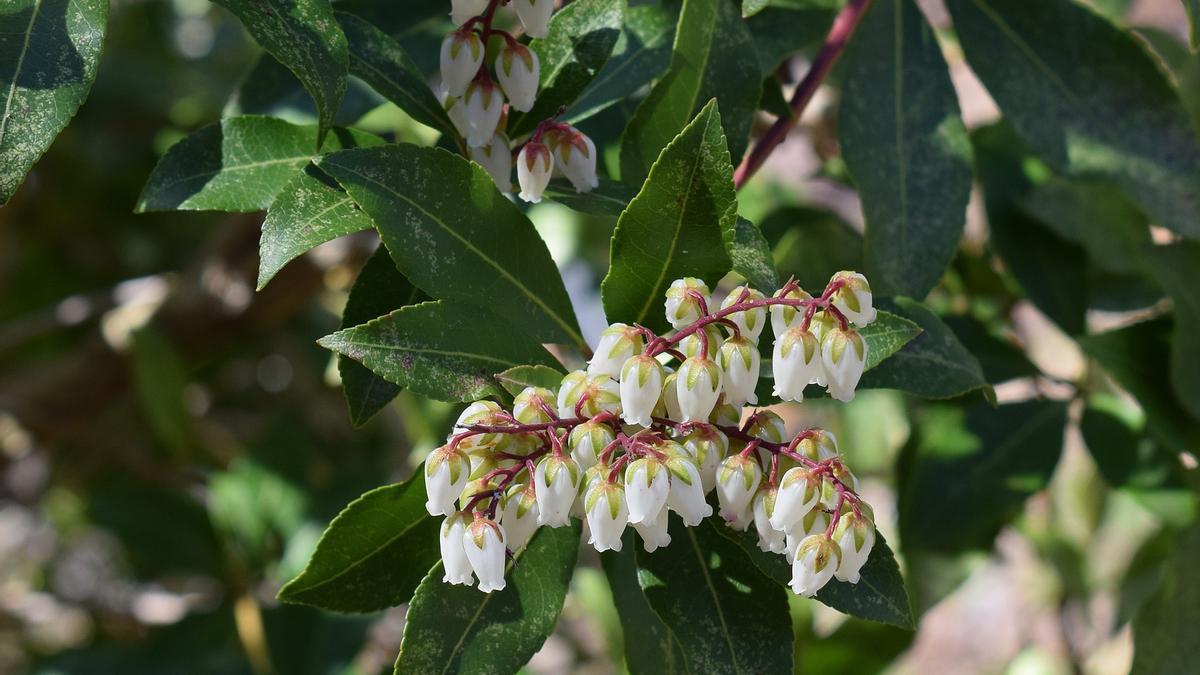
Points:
[1001,359]
[161,378]
[713,57]
[1193,13]
[439,349]
[1164,631]
[780,31]
[750,255]
[650,648]
[517,378]
[457,629]
[582,36]
[373,555]
[812,245]
[134,512]
[727,616]
[1095,216]
[933,365]
[609,199]
[973,469]
[456,238]
[256,509]
[1177,268]
[48,55]
[1088,99]
[676,226]
[886,336]
[237,164]
[382,63]
[271,89]
[912,163]
[302,35]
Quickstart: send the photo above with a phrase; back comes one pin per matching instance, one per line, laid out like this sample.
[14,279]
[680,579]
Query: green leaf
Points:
[785,28]
[1001,359]
[886,335]
[378,290]
[307,212]
[878,596]
[1193,13]
[373,554]
[382,63]
[912,163]
[1088,99]
[48,55]
[812,245]
[676,226]
[933,365]
[237,164]
[1177,268]
[713,57]
[1164,631]
[302,35]
[442,350]
[271,89]
[650,648]
[641,53]
[582,36]
[1093,215]
[609,199]
[972,469]
[517,378]
[727,616]
[750,255]
[456,238]
[160,376]
[458,629]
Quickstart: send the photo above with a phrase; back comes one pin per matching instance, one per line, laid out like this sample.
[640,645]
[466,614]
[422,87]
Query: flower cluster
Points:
[654,425]
[476,104]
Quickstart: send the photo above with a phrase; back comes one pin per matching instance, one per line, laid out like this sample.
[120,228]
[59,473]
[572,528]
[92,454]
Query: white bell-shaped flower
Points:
[531,406]
[575,157]
[670,397]
[654,534]
[854,299]
[485,546]
[600,393]
[454,554]
[461,57]
[535,164]
[686,494]
[556,484]
[484,104]
[641,387]
[463,10]
[737,481]
[456,110]
[682,306]
[617,344]
[707,446]
[795,363]
[519,515]
[843,357]
[830,497]
[726,415]
[769,426]
[784,317]
[698,385]
[691,345]
[799,492]
[647,484]
[496,158]
[607,515]
[569,391]
[479,412]
[517,69]
[446,474]
[815,521]
[535,16]
[770,539]
[817,558]
[819,445]
[750,322]
[855,535]
[587,441]
[740,365]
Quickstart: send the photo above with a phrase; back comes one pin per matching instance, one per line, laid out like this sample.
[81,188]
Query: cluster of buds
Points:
[632,438]
[475,100]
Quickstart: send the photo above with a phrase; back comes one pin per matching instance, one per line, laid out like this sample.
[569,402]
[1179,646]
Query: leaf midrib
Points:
[12,90]
[415,100]
[420,350]
[716,599]
[898,110]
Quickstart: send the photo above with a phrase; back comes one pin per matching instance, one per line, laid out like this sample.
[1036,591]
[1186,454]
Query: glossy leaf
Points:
[812,245]
[933,365]
[302,35]
[905,145]
[442,350]
[609,199]
[1177,268]
[750,255]
[48,55]
[456,238]
[650,648]
[517,378]
[727,616]
[1088,99]
[373,555]
[458,629]
[237,164]
[1164,638]
[675,227]
[271,89]
[786,28]
[713,57]
[582,36]
[886,336]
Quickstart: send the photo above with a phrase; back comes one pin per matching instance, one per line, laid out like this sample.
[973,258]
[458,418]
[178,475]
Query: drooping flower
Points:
[607,515]
[818,445]
[617,344]
[575,157]
[533,404]
[484,543]
[587,441]
[447,471]
[682,306]
[517,69]
[654,534]
[686,493]
[749,322]
[786,316]
[461,57]
[770,539]
[799,492]
[484,103]
[796,363]
[698,384]
[556,483]
[737,480]
[647,484]
[855,535]
[707,446]
[463,10]
[534,166]
[519,515]
[454,554]
[535,16]
[641,387]
[854,299]
[740,364]
[843,357]
[817,558]
[496,158]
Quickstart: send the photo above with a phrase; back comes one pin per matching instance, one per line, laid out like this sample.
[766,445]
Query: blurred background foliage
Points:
[173,443]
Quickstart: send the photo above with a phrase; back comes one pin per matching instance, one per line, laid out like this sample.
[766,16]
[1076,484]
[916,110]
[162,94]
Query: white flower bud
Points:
[517,69]
[575,157]
[815,522]
[456,110]
[686,494]
[751,321]
[727,415]
[607,515]
[617,344]
[600,393]
[795,363]
[855,535]
[682,307]
[454,554]
[519,515]
[641,387]
[829,491]
[446,474]
[654,534]
[854,298]
[531,405]
[534,166]
[691,344]
[587,441]
[819,446]
[556,483]
[707,447]
[740,364]
[816,560]
[485,546]
[784,317]
[496,158]
[484,104]
[843,357]
[479,412]
[462,55]
[647,484]
[770,539]
[769,426]
[737,481]
[799,492]
[699,386]
[670,397]
[463,10]
[535,16]
[569,391]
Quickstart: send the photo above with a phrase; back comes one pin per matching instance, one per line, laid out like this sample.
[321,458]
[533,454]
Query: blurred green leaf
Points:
[48,55]
[458,629]
[1164,631]
[785,28]
[812,245]
[1094,215]
[1001,360]
[933,365]
[134,512]
[650,648]
[713,57]
[904,143]
[750,255]
[609,199]
[161,377]
[256,510]
[676,226]
[1177,268]
[517,378]
[1193,13]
